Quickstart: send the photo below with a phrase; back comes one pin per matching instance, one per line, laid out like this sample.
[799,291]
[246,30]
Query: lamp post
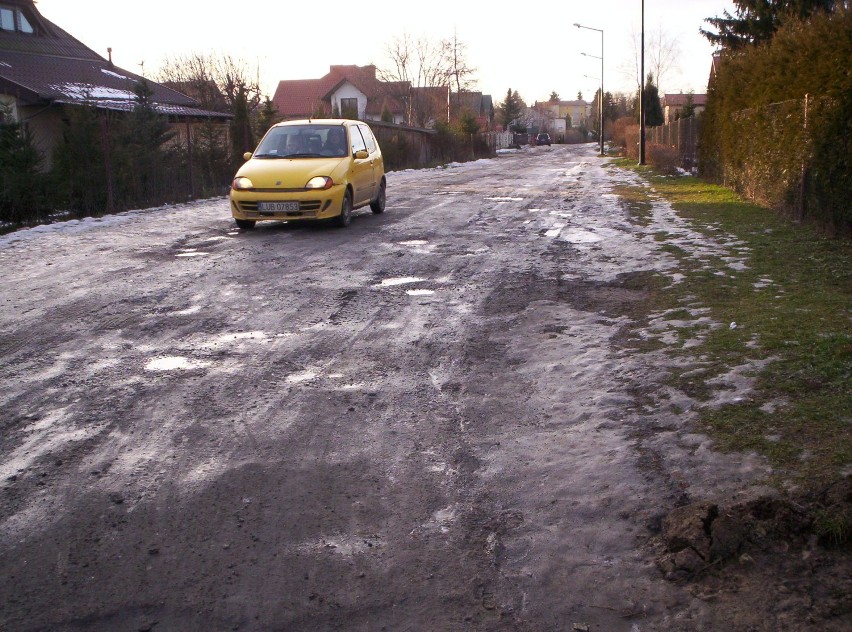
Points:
[601,99]
[642,91]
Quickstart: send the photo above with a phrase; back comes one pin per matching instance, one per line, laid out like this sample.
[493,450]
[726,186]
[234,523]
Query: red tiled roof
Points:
[679,100]
[302,97]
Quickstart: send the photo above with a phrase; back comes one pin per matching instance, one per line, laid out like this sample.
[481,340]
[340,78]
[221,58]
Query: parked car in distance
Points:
[543,139]
[310,170]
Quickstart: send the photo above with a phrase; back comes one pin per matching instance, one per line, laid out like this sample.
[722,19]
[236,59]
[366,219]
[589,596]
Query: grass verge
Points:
[792,305]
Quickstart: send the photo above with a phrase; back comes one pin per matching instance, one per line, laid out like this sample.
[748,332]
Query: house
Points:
[44,71]
[357,92]
[478,104]
[673,105]
[556,117]
[347,91]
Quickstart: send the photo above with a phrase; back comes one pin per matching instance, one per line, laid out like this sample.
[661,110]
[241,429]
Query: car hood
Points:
[290,173]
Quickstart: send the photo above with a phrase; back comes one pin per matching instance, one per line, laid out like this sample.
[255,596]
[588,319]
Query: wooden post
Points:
[800,211]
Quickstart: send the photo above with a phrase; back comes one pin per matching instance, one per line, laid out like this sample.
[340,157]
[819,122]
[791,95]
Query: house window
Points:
[349,108]
[14,20]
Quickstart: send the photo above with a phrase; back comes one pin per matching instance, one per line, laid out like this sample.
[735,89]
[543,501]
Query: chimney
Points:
[109,53]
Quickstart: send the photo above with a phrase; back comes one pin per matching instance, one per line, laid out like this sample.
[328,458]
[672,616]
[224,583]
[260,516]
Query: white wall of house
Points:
[348,91]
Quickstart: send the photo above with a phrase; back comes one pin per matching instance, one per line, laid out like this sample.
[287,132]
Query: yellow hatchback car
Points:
[310,170]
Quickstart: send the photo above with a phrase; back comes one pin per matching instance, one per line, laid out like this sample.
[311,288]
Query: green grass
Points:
[793,309]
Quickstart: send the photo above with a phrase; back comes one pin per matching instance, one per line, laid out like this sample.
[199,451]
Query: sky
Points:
[533,49]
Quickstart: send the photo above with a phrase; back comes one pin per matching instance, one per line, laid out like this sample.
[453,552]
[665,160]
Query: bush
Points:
[619,130]
[665,158]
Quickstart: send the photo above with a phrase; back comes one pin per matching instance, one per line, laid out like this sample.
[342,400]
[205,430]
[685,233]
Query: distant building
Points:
[478,104]
[673,105]
[44,71]
[556,117]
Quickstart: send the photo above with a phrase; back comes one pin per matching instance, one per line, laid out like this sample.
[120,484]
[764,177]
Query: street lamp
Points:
[601,99]
[642,91]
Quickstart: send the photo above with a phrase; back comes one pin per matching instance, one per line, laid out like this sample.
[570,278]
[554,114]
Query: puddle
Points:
[577,236]
[554,232]
[420,292]
[505,199]
[298,378]
[192,254]
[189,310]
[399,281]
[174,363]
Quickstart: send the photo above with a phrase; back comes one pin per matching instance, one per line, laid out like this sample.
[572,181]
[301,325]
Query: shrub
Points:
[664,157]
[619,130]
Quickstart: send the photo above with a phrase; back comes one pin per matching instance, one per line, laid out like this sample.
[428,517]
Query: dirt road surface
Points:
[425,421]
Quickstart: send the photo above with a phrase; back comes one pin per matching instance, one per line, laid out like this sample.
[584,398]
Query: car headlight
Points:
[320,182]
[241,182]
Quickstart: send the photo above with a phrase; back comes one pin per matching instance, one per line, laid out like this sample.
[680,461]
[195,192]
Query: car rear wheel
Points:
[345,217]
[245,224]
[378,205]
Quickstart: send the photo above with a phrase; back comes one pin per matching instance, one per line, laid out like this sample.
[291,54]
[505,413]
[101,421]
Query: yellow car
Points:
[310,170]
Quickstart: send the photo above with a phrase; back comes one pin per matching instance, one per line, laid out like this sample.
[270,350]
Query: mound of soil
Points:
[774,563]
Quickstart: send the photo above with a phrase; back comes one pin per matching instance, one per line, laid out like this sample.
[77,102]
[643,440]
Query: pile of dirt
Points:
[782,563]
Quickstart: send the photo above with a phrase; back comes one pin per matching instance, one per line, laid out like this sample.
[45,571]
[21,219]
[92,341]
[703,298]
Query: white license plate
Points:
[277,206]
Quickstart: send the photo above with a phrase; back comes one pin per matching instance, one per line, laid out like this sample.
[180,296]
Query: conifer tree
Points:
[20,180]
[756,21]
[512,108]
[653,108]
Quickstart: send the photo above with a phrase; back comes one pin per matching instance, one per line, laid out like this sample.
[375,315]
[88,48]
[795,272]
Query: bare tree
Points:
[417,64]
[662,52]
[459,72]
[216,82]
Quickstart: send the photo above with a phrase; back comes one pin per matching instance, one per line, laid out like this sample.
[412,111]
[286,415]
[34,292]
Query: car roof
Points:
[317,121]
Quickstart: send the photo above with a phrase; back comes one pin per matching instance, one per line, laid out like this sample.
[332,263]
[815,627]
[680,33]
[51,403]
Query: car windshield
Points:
[304,141]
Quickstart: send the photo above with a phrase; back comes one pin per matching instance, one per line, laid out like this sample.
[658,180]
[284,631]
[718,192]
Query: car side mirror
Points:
[361,154]
[247,155]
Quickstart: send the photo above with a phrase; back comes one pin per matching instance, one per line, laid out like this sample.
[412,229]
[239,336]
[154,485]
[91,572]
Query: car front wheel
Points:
[345,217]
[378,205]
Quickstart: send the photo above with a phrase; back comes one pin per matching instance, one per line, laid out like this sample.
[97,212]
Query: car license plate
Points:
[277,206]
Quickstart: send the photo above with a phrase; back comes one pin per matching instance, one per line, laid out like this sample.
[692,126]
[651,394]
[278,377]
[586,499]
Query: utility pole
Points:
[642,91]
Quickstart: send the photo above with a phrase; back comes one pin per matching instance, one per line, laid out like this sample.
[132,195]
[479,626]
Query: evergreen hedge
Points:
[779,119]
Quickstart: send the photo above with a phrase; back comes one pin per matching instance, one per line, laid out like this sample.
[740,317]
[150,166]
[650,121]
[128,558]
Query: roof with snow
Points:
[44,64]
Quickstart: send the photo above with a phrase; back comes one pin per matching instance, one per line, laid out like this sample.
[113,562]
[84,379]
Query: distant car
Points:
[310,170]
[543,139]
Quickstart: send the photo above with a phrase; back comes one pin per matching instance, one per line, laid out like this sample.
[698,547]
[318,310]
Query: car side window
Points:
[367,133]
[356,139]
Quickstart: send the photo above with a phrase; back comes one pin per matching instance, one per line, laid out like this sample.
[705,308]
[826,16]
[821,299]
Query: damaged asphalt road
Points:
[422,422]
